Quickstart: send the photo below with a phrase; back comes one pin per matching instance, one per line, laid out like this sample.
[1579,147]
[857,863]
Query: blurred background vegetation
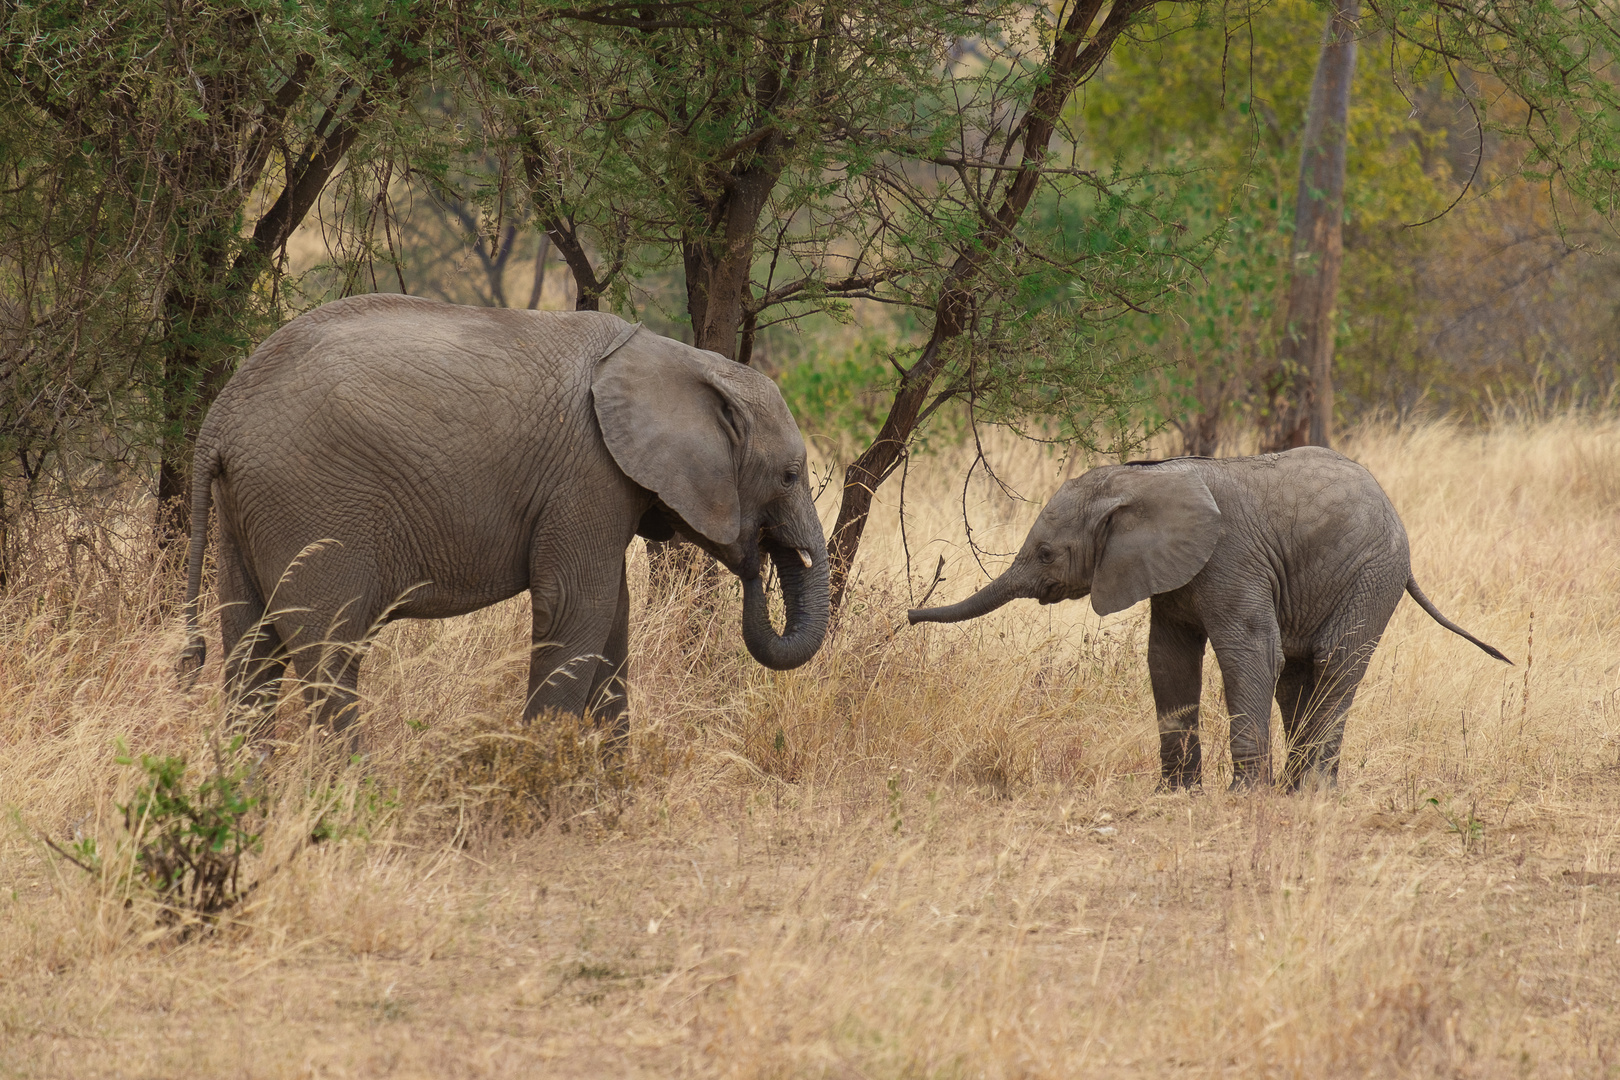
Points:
[1073,220]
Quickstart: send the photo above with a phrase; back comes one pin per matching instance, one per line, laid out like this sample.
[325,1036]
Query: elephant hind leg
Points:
[1314,696]
[336,690]
[1297,700]
[1250,655]
[1341,652]
[326,648]
[255,656]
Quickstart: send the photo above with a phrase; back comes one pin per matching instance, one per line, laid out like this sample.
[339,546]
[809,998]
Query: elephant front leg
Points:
[608,701]
[1176,664]
[571,639]
[1250,663]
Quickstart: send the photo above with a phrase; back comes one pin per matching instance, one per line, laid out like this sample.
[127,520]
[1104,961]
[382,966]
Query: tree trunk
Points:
[1301,388]
[1201,435]
[719,265]
[192,377]
[540,270]
[719,262]
[201,317]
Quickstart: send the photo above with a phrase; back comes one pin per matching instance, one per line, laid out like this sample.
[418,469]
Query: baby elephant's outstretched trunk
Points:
[998,592]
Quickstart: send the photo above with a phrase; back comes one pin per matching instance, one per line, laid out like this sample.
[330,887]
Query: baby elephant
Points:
[1289,565]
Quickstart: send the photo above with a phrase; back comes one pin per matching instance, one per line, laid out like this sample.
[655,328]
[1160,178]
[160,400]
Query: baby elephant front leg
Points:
[1176,664]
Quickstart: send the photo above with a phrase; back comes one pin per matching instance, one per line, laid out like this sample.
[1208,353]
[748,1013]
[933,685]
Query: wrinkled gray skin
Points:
[451,457]
[1289,565]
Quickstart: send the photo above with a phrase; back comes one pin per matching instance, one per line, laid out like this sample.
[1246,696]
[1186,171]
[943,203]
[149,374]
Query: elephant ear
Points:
[670,424]
[1161,532]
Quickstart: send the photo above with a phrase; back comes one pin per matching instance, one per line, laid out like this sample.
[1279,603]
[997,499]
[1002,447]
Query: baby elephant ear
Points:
[1161,533]
[672,428]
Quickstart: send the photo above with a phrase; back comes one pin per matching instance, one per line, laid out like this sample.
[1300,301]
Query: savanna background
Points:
[937,851]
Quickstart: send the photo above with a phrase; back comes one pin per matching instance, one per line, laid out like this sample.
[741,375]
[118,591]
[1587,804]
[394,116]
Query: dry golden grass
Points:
[928,853]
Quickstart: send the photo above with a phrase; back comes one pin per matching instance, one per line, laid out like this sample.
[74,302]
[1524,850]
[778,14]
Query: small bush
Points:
[184,841]
[505,776]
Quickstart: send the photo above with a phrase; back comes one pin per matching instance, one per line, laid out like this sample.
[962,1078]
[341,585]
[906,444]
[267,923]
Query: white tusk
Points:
[804,557]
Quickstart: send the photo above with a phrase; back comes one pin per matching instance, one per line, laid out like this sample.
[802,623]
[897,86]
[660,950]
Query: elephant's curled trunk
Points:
[804,595]
[998,592]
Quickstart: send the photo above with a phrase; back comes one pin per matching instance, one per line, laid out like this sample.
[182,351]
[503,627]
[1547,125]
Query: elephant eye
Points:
[791,476]
[1045,554]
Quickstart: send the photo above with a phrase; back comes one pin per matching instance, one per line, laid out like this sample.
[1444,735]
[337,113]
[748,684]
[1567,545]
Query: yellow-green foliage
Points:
[1492,299]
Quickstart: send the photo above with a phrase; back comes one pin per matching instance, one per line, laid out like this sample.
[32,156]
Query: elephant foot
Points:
[1312,782]
[1246,778]
[1182,760]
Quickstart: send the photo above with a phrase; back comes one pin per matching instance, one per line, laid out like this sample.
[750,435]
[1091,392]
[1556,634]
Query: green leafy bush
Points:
[190,840]
[842,395]
[185,839]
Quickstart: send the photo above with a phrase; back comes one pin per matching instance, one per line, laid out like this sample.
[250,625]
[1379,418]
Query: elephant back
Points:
[386,336]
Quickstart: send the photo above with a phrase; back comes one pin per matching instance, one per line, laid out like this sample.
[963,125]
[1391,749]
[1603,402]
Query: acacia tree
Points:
[1223,92]
[724,139]
[1558,57]
[197,137]
[791,158]
[1237,126]
[999,168]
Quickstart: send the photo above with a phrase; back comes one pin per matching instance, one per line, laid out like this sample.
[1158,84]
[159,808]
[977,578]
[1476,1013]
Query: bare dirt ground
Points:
[928,853]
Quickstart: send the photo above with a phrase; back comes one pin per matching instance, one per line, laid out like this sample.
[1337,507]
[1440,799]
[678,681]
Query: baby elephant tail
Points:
[1434,613]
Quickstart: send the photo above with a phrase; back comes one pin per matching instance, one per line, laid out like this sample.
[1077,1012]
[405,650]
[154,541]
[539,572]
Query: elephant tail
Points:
[204,468]
[1434,613]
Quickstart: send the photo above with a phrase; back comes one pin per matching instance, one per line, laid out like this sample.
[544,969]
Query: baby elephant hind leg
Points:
[1251,660]
[1314,696]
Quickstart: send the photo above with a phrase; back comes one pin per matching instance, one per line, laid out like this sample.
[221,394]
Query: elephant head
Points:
[715,442]
[1121,533]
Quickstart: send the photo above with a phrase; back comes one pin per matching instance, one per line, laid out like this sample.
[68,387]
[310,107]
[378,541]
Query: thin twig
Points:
[52,844]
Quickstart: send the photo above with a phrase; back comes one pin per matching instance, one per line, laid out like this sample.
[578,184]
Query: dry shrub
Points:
[498,776]
[1410,1027]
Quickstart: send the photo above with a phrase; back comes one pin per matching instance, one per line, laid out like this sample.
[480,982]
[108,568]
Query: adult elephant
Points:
[387,457]
[1288,565]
